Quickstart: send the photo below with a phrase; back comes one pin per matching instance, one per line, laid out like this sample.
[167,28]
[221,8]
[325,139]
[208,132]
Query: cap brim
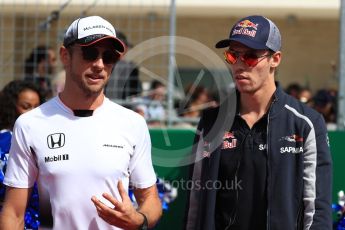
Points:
[251,44]
[223,43]
[119,45]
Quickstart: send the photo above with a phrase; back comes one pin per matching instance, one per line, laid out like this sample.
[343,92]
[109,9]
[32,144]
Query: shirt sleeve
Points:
[141,170]
[21,169]
[323,200]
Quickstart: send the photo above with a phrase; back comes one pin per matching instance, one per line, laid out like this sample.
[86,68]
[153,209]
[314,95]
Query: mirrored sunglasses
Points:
[251,59]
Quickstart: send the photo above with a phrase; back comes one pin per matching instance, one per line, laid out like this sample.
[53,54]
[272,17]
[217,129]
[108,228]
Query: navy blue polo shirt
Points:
[241,202]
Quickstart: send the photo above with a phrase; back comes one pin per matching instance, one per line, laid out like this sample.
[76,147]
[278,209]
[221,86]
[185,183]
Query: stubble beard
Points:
[87,90]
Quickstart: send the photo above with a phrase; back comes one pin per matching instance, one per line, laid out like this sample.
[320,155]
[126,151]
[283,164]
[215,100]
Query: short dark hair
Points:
[322,98]
[36,56]
[155,84]
[8,99]
[195,91]
[293,87]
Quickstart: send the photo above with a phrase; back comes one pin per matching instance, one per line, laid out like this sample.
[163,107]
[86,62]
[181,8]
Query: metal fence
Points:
[148,26]
[26,25]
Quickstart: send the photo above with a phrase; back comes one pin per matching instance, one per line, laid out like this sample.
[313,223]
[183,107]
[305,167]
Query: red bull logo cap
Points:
[256,32]
[89,30]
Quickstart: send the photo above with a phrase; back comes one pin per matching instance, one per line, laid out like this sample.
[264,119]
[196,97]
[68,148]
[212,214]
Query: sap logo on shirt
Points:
[293,139]
[262,147]
[206,149]
[56,140]
[294,150]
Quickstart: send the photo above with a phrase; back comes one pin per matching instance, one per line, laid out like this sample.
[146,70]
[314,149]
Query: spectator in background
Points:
[152,105]
[39,68]
[141,109]
[293,90]
[305,95]
[197,99]
[16,98]
[58,82]
[325,103]
[299,92]
[124,81]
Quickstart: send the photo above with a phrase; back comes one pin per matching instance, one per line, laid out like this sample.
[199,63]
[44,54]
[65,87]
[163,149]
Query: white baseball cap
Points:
[89,30]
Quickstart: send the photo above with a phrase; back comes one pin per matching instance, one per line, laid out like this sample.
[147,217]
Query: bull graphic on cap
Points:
[247,24]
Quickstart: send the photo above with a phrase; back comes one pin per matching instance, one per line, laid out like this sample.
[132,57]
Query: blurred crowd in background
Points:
[322,100]
[150,98]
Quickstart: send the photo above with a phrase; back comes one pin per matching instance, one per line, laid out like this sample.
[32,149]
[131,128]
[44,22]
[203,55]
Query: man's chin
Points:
[92,91]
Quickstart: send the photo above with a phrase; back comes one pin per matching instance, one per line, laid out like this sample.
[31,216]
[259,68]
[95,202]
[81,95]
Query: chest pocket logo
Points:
[229,141]
[292,144]
[56,140]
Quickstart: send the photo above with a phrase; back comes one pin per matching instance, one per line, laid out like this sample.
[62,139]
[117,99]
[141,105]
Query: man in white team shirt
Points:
[83,150]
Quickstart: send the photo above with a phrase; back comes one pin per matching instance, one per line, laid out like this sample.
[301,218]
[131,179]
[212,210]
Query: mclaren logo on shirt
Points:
[56,140]
[113,146]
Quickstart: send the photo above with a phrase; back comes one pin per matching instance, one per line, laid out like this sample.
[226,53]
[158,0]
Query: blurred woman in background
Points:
[16,98]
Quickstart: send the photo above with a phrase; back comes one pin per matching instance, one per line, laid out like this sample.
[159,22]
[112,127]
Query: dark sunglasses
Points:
[92,54]
[251,59]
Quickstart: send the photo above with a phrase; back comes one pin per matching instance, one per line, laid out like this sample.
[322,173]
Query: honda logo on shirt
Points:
[56,140]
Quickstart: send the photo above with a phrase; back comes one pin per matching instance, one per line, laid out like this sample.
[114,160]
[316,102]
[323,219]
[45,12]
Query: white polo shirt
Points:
[73,158]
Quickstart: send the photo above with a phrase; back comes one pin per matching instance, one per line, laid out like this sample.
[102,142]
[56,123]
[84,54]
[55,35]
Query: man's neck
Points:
[80,101]
[254,105]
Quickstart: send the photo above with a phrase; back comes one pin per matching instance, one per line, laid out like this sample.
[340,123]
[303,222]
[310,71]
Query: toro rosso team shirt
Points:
[241,201]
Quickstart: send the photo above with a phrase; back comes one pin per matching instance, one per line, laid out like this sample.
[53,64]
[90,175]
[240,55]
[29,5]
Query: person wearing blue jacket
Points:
[265,162]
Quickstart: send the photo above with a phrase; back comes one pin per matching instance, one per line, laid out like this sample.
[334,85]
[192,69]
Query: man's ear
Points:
[276,58]
[64,55]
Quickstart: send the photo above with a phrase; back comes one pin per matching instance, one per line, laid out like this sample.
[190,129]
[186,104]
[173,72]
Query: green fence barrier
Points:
[170,151]
[179,143]
[336,140]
